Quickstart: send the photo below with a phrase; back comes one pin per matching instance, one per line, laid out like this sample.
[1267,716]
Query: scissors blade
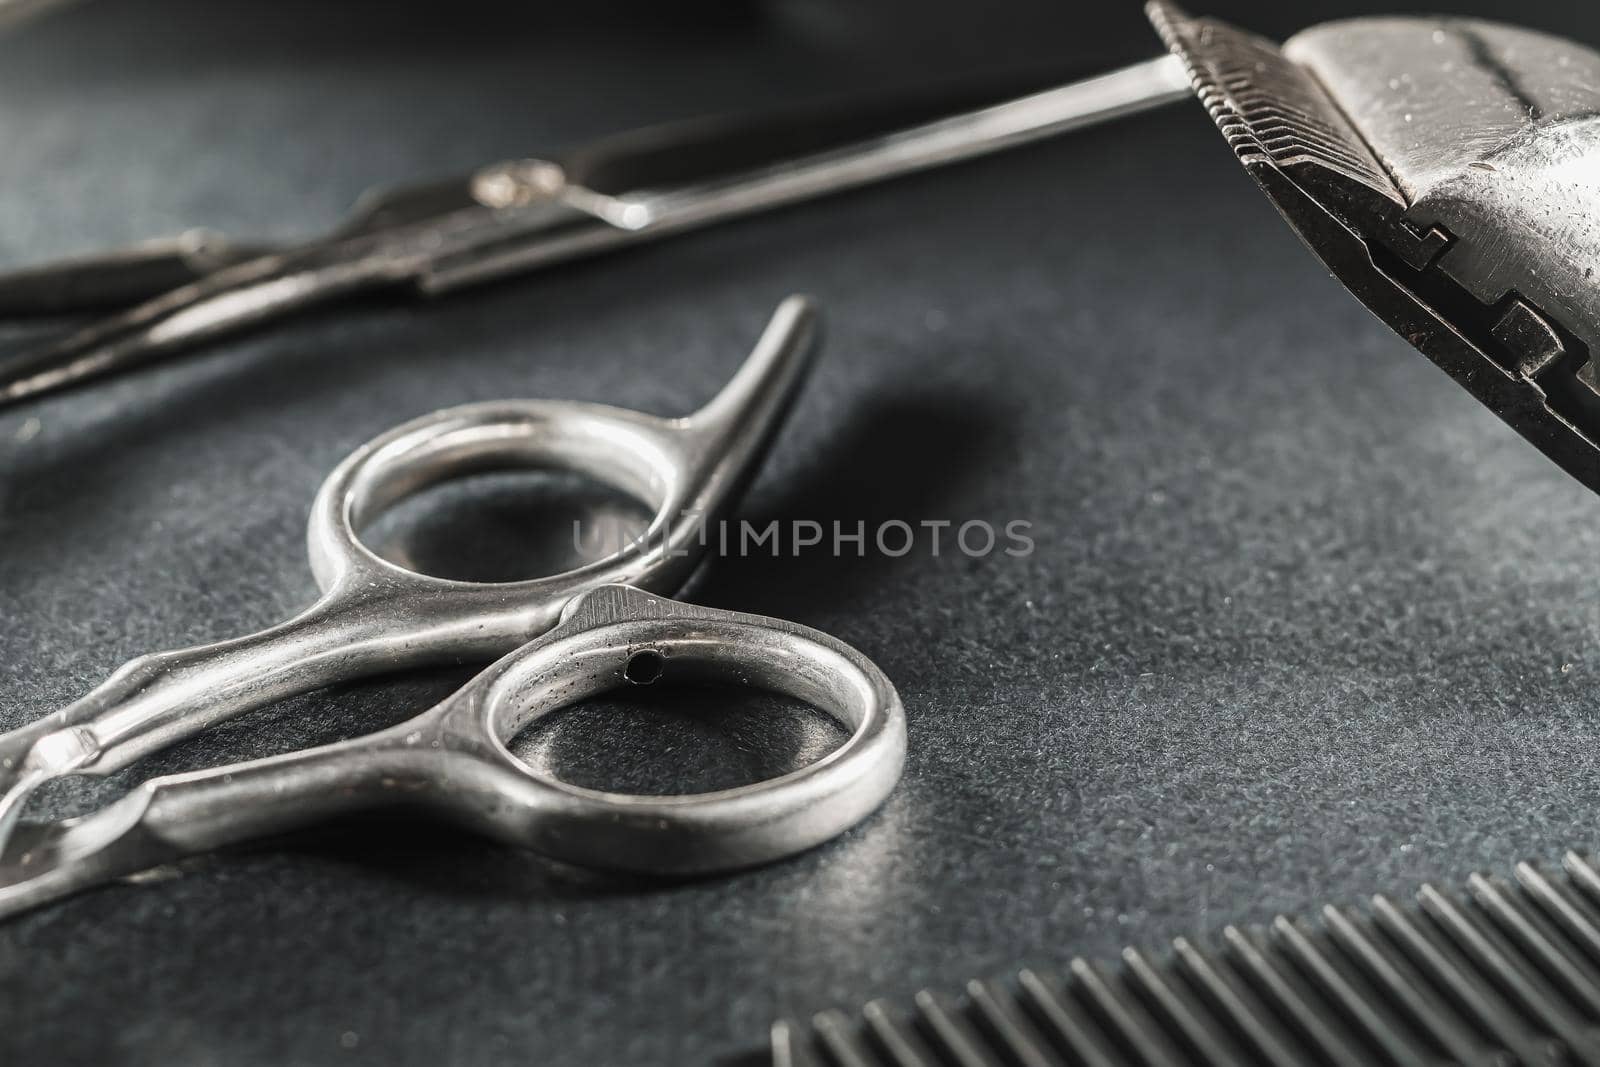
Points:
[118,276]
[256,290]
[219,302]
[140,272]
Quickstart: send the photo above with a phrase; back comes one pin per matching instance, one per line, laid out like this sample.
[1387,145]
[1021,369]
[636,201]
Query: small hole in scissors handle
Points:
[645,667]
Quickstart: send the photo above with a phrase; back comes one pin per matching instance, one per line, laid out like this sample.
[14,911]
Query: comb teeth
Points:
[1500,973]
[1270,110]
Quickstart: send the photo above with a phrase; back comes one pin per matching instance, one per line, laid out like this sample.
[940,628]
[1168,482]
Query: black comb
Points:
[1500,973]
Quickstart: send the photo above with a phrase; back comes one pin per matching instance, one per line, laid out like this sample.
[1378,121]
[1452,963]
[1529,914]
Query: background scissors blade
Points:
[119,276]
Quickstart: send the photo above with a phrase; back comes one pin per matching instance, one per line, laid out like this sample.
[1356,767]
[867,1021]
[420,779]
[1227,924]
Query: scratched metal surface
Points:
[1302,623]
[1489,133]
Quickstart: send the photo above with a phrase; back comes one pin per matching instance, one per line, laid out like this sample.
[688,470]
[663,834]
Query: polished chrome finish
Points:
[511,217]
[454,758]
[375,616]
[1448,172]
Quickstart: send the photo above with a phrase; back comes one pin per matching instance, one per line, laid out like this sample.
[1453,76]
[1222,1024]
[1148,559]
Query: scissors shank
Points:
[157,700]
[1089,102]
[177,816]
[655,213]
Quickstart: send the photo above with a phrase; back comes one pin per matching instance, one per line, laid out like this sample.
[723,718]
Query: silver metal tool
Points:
[511,217]
[1446,170]
[592,628]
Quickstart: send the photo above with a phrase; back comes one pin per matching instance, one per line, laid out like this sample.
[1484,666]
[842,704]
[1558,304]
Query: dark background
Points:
[1304,623]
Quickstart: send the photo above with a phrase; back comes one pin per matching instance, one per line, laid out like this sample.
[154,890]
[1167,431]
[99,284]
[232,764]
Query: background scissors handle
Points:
[454,758]
[376,617]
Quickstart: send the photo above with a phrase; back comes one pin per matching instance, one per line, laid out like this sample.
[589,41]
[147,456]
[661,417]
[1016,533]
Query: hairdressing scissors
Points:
[592,628]
[502,219]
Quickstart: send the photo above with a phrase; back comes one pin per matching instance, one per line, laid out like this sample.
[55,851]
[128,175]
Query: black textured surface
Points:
[1303,623]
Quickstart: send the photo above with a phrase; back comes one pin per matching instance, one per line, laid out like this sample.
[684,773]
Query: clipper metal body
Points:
[1448,172]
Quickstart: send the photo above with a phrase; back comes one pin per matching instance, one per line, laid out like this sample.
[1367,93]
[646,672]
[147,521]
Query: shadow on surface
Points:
[898,458]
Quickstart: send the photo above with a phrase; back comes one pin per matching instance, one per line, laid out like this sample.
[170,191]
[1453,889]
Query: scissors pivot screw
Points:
[64,751]
[518,183]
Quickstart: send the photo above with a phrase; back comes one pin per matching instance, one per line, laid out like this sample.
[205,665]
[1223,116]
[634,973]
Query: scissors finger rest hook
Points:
[375,616]
[455,758]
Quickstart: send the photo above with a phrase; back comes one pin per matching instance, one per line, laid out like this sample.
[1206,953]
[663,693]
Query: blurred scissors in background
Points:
[511,217]
[592,628]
